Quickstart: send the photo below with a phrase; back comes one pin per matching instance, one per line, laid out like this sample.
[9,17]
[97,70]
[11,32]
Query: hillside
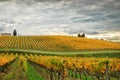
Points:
[55,43]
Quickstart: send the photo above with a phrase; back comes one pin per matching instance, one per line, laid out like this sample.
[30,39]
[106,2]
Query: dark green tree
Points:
[81,35]
[78,35]
[14,32]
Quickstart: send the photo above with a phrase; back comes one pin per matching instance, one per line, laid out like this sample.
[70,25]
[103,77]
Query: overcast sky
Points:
[96,18]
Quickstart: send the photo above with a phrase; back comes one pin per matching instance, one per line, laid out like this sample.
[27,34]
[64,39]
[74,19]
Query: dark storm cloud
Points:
[60,16]
[104,12]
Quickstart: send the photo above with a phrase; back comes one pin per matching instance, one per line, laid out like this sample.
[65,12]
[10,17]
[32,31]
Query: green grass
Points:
[85,53]
[83,77]
[32,74]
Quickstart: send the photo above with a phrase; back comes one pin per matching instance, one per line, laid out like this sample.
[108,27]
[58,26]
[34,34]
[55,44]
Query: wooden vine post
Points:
[107,70]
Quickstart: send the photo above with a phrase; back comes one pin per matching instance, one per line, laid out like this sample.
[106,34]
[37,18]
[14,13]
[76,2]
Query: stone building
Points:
[5,34]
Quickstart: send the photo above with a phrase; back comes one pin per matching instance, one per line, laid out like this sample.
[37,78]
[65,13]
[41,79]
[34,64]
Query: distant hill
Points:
[55,43]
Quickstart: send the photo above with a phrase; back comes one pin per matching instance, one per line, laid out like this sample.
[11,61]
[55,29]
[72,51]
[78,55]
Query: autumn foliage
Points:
[55,43]
[6,58]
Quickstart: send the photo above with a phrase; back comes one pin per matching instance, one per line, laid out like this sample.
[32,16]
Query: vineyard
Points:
[24,58]
[37,67]
[55,43]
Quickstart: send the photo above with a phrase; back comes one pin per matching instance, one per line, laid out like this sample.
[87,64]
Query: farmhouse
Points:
[5,34]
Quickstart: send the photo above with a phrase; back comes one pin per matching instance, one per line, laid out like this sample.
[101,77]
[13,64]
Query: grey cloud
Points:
[1,29]
[92,33]
[93,19]
[4,0]
[114,16]
[60,16]
[48,0]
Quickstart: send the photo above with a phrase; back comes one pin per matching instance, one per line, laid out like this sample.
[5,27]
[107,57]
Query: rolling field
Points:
[58,58]
[55,43]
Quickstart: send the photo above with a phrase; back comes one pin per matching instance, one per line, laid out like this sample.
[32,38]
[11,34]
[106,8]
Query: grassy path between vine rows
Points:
[20,69]
[86,53]
[32,73]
